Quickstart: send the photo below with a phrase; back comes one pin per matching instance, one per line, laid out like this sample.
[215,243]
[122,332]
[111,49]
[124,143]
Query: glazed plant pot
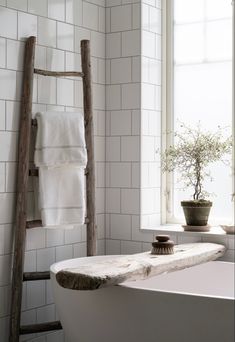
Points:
[196,212]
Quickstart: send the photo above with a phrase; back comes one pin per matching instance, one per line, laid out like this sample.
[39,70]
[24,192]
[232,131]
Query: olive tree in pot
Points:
[194,150]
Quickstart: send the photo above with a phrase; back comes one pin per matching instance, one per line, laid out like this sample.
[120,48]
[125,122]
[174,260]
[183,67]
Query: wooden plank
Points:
[114,271]
[21,195]
[32,276]
[58,73]
[41,327]
[89,135]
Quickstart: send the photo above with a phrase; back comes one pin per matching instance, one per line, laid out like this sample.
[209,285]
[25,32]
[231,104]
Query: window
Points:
[198,87]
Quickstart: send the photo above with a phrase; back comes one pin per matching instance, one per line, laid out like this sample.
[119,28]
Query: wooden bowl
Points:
[228,229]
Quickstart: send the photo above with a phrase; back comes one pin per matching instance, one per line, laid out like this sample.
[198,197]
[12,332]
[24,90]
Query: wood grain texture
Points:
[58,73]
[26,123]
[38,223]
[21,195]
[33,276]
[89,136]
[40,327]
[137,266]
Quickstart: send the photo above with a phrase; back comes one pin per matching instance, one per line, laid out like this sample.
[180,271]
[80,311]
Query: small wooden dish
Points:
[228,229]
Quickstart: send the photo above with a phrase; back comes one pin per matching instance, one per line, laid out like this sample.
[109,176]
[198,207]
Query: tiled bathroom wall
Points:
[133,124]
[59,25]
[126,61]
[123,104]
[151,62]
[133,138]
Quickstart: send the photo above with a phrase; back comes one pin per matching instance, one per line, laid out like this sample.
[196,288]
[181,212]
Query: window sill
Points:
[177,228]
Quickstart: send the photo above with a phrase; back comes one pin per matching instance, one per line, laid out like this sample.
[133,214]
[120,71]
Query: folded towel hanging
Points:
[62,196]
[60,139]
[61,156]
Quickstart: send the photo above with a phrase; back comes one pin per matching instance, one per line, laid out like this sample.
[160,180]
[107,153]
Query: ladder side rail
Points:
[89,136]
[21,195]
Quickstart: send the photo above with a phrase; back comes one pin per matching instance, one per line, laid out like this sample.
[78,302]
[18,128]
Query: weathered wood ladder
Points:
[24,171]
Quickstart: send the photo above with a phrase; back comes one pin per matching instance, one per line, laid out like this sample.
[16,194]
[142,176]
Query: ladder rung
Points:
[34,122]
[58,73]
[41,327]
[33,224]
[31,276]
[33,172]
[38,223]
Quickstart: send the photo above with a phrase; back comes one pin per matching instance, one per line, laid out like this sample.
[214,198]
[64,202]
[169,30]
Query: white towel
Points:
[60,139]
[61,156]
[62,196]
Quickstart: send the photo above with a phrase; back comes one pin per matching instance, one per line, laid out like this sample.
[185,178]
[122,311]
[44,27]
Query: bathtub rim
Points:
[53,270]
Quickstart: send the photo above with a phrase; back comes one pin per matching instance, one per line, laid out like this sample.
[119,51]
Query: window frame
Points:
[167,125]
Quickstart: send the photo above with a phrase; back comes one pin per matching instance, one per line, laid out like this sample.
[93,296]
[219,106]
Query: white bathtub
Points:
[193,305]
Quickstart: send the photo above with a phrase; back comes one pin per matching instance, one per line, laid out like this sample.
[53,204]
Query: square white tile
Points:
[55,59]
[130,148]
[56,9]
[90,16]
[113,149]
[120,175]
[120,122]
[2,115]
[148,44]
[27,25]
[120,226]
[113,97]
[74,12]
[65,92]
[8,23]
[131,94]
[112,200]
[38,7]
[46,32]
[20,5]
[2,52]
[121,18]
[2,177]
[65,36]
[7,207]
[46,90]
[97,44]
[113,45]
[130,201]
[10,142]
[15,55]
[131,43]
[121,70]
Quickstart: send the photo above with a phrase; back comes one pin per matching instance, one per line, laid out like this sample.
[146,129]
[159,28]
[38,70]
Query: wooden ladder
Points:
[24,171]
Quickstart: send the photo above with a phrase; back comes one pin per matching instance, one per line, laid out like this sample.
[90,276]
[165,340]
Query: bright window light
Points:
[202,88]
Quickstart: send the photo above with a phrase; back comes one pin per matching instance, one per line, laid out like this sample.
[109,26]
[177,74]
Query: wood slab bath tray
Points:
[116,270]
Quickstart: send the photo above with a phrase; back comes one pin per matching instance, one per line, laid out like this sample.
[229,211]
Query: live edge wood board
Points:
[116,270]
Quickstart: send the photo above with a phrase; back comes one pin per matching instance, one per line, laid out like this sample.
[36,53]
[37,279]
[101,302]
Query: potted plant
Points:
[193,151]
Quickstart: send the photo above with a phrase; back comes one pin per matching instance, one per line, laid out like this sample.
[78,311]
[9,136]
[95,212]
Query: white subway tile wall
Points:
[151,114]
[133,128]
[59,25]
[123,105]
[126,68]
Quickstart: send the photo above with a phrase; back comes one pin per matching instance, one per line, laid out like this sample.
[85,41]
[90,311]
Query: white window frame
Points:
[167,126]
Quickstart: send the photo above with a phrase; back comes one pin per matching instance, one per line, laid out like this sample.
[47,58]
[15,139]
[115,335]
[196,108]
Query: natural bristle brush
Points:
[163,245]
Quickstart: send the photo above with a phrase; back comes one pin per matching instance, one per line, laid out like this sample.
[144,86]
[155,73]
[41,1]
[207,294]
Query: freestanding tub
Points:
[193,305]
